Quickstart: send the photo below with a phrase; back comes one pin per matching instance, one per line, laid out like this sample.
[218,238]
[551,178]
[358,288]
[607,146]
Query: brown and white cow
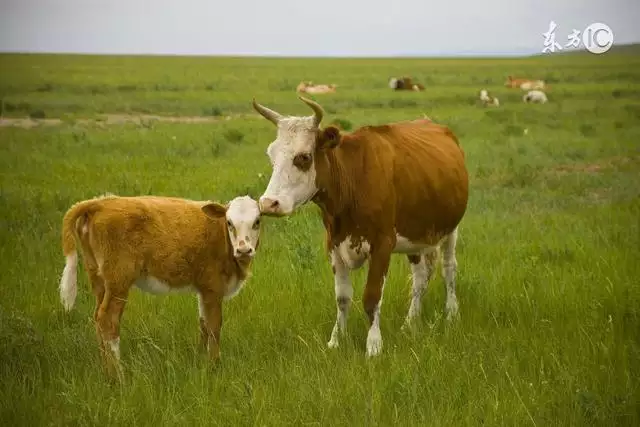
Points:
[524,84]
[394,188]
[405,83]
[159,245]
[313,89]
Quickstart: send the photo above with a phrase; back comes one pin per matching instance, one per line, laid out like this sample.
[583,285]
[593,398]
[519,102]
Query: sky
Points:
[304,28]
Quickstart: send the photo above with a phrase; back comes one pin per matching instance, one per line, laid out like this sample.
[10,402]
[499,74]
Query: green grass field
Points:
[549,250]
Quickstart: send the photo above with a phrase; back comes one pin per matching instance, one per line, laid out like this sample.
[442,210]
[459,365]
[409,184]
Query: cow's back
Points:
[159,230]
[429,177]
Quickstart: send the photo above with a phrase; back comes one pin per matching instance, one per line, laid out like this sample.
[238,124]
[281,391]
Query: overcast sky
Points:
[304,28]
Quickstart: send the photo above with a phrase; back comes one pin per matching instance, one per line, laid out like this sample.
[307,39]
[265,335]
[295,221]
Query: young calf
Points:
[535,96]
[486,99]
[158,244]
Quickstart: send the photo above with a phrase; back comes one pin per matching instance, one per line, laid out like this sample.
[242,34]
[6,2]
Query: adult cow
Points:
[400,187]
[405,83]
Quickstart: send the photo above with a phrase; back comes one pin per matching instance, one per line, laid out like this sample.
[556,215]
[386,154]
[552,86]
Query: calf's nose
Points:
[245,250]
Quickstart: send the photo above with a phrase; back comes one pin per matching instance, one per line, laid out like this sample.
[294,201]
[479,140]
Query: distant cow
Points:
[158,244]
[488,100]
[535,96]
[404,83]
[310,88]
[393,188]
[524,84]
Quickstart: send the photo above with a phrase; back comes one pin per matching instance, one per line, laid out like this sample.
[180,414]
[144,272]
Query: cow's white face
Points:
[243,222]
[293,180]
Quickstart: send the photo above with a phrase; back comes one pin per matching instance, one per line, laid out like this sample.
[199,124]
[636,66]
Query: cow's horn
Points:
[317,110]
[267,113]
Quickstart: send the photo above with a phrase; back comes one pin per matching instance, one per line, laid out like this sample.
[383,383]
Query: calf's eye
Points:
[256,224]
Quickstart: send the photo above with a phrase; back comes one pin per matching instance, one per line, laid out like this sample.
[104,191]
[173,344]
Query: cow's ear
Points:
[214,210]
[329,137]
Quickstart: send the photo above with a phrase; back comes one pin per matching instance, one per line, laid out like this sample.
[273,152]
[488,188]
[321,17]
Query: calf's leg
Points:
[97,286]
[204,333]
[212,306]
[108,321]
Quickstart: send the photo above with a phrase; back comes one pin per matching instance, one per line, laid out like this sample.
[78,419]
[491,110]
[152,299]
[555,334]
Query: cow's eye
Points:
[229,224]
[256,224]
[303,161]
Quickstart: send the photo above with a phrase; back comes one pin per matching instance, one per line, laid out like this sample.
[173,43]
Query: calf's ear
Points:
[329,137]
[214,210]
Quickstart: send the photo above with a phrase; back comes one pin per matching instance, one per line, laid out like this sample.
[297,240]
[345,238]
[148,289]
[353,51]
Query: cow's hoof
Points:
[333,343]
[374,343]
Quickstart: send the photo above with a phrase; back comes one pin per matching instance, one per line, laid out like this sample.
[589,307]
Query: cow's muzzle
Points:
[271,207]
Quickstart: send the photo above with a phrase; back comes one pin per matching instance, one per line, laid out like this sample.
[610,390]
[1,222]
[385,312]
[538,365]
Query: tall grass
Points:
[548,254]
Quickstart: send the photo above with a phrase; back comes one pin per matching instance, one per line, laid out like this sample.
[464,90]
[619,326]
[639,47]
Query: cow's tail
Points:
[72,223]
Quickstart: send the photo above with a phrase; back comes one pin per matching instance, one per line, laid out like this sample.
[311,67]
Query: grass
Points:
[548,251]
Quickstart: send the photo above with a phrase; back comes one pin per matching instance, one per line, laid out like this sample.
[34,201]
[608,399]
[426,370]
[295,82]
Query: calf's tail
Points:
[73,221]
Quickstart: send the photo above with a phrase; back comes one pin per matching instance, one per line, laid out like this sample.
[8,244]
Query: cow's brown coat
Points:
[406,177]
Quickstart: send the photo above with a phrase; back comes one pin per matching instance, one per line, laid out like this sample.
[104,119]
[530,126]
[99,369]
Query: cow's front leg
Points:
[378,267]
[344,294]
[211,303]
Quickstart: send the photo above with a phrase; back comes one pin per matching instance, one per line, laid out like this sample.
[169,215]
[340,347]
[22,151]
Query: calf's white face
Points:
[243,222]
[293,179]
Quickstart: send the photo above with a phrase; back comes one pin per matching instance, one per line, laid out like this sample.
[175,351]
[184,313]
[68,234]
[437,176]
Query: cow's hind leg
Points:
[117,280]
[344,294]
[449,268]
[97,286]
[108,320]
[422,268]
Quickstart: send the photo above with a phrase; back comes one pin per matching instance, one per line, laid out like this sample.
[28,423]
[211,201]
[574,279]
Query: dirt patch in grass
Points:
[115,119]
[28,123]
[612,162]
[523,177]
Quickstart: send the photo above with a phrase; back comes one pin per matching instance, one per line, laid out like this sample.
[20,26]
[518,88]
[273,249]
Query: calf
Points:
[535,96]
[158,244]
[488,100]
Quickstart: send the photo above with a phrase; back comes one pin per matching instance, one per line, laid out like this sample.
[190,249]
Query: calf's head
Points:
[292,156]
[242,216]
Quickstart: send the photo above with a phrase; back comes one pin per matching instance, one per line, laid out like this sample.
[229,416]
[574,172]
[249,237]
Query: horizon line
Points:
[507,53]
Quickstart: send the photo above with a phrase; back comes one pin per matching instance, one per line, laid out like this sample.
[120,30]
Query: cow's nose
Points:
[269,206]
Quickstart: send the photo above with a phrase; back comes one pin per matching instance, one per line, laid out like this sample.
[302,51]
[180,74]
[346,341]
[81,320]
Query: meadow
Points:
[549,250]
